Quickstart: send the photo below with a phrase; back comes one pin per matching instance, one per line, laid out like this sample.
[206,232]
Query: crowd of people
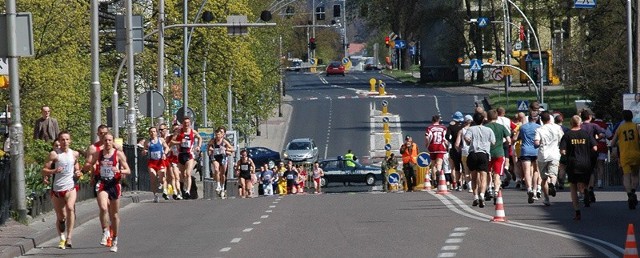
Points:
[485,151]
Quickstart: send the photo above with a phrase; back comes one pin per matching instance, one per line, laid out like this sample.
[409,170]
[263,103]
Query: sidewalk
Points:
[16,239]
[273,132]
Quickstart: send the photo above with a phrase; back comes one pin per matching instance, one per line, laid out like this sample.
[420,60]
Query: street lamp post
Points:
[541,72]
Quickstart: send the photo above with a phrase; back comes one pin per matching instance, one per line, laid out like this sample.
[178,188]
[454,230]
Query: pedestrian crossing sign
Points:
[523,105]
[585,4]
[475,65]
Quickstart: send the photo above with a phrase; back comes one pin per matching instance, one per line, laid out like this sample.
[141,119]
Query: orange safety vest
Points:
[410,155]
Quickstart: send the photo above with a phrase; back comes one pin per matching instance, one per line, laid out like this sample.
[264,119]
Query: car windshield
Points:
[300,146]
[335,64]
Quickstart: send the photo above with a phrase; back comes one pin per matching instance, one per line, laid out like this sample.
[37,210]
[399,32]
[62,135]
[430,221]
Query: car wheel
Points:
[371,180]
[323,182]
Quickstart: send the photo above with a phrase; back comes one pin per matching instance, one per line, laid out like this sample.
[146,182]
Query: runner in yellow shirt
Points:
[628,141]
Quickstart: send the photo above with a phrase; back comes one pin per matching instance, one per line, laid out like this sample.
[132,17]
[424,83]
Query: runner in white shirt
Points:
[547,138]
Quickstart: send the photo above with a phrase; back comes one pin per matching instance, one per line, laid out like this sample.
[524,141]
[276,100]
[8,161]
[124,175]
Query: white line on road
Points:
[453,241]
[457,234]
[272,206]
[236,240]
[466,211]
[437,106]
[447,255]
[269,211]
[256,223]
[264,216]
[226,249]
[450,248]
[247,230]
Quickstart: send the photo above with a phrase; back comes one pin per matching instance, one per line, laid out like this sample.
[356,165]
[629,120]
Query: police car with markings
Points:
[336,171]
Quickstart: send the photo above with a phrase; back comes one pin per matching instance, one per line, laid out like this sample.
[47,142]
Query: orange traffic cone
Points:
[630,246]
[427,183]
[442,184]
[499,217]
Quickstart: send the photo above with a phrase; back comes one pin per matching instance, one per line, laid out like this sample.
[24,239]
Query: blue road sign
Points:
[400,44]
[387,147]
[384,102]
[483,22]
[394,178]
[312,61]
[585,4]
[475,65]
[345,60]
[424,160]
[412,50]
[385,119]
[523,105]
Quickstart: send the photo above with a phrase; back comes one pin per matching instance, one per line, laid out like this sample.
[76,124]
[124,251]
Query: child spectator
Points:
[266,177]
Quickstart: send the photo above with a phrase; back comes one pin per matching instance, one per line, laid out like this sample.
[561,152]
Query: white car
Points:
[303,150]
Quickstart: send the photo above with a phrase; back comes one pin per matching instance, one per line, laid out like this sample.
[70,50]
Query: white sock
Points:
[218,184]
[63,237]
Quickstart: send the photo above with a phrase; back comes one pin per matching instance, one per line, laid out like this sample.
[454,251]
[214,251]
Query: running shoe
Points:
[62,244]
[552,189]
[156,199]
[587,198]
[68,243]
[592,196]
[179,197]
[175,196]
[114,247]
[538,194]
[475,202]
[187,195]
[530,197]
[165,196]
[105,238]
[546,202]
[481,205]
[465,186]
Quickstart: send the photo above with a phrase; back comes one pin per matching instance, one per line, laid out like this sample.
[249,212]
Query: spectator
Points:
[46,128]
[266,177]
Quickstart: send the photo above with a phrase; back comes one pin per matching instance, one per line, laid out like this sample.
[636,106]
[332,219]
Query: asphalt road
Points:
[359,221]
[370,224]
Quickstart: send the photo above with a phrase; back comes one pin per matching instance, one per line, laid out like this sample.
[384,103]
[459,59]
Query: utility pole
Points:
[185,67]
[131,114]
[96,100]
[16,131]
[161,52]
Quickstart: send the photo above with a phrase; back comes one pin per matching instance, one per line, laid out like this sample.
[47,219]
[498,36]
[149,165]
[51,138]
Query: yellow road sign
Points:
[506,71]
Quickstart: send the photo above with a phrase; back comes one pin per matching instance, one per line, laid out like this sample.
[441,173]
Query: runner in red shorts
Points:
[437,145]
[156,148]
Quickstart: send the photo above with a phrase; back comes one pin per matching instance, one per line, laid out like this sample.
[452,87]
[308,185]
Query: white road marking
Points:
[466,211]
[268,211]
[236,240]
[256,223]
[226,249]
[437,106]
[272,206]
[453,241]
[247,230]
[450,248]
[264,216]
[457,234]
[447,255]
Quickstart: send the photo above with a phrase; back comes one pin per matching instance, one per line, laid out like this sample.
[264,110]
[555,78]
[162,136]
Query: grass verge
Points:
[558,100]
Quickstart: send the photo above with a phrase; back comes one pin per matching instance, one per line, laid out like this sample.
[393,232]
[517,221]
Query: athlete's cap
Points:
[457,116]
[468,118]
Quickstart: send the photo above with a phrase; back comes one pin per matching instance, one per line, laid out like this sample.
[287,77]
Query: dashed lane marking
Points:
[247,230]
[236,240]
[256,223]
[264,216]
[226,249]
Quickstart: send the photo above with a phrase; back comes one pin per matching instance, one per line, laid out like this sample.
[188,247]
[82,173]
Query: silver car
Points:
[303,150]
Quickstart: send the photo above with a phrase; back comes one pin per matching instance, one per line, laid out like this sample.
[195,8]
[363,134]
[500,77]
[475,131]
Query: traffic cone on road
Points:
[499,217]
[427,183]
[442,184]
[630,246]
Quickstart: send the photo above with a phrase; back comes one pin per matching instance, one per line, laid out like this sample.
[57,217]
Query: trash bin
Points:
[233,187]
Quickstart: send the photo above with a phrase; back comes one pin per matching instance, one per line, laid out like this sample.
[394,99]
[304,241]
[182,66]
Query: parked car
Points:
[296,64]
[262,155]
[335,68]
[371,65]
[335,170]
[303,150]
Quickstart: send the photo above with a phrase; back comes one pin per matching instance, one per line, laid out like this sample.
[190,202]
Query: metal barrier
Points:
[139,178]
[5,190]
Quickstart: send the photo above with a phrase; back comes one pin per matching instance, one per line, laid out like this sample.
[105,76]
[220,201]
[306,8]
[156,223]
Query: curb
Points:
[26,243]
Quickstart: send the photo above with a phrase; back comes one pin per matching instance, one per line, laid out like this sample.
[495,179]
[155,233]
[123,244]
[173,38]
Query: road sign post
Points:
[381,90]
[384,107]
[385,124]
[372,83]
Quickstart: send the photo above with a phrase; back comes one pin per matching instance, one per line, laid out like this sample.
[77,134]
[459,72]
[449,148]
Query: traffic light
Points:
[312,43]
[336,10]
[386,41]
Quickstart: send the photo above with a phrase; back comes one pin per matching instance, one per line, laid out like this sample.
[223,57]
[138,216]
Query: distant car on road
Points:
[335,170]
[371,65]
[303,150]
[335,68]
[262,155]
[296,64]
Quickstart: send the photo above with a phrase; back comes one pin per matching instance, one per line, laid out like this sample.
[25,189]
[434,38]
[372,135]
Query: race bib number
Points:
[266,178]
[244,167]
[218,151]
[185,143]
[155,155]
[290,177]
[106,172]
